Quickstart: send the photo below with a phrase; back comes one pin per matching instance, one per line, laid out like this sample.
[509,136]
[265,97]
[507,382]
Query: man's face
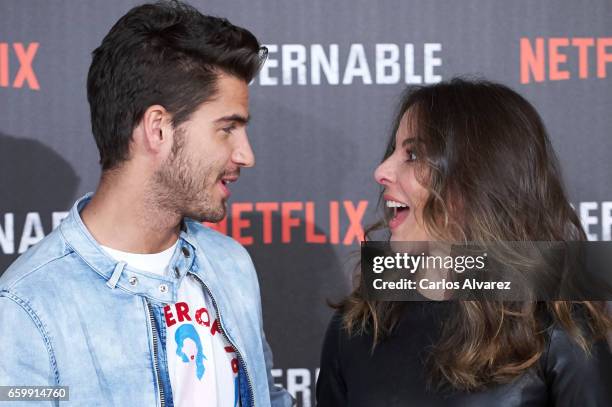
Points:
[208,151]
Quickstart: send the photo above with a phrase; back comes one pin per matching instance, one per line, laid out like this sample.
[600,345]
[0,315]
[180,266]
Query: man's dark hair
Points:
[167,53]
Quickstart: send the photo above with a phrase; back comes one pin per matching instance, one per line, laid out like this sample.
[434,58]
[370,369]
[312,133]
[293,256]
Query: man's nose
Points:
[243,153]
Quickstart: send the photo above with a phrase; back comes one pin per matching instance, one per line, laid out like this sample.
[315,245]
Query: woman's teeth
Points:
[395,205]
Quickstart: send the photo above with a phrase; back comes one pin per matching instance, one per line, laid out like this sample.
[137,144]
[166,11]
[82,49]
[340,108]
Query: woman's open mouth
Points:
[400,212]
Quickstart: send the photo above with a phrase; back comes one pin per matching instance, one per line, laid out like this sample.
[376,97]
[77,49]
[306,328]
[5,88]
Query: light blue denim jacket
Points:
[70,315]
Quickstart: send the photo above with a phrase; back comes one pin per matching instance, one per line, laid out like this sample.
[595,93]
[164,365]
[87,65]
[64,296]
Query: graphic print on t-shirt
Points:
[189,332]
[203,366]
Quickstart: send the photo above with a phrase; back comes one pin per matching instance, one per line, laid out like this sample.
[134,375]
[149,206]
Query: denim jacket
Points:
[72,316]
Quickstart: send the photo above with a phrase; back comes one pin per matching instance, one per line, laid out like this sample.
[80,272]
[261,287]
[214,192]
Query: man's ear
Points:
[156,130]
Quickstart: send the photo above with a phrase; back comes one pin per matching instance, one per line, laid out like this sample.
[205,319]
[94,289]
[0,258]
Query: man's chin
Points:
[210,216]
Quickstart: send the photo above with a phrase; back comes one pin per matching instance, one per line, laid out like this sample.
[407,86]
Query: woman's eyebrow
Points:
[408,140]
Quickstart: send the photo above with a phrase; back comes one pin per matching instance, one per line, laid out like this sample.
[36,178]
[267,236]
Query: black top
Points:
[394,374]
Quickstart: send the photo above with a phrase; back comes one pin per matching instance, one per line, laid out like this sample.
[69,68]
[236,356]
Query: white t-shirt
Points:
[202,365]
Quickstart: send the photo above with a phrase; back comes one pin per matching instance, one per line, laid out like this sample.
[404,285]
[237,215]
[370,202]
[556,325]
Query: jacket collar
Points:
[119,274]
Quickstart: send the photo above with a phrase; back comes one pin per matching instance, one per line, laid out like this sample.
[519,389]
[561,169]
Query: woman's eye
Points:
[411,156]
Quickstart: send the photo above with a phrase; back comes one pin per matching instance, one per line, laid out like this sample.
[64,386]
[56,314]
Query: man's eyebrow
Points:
[238,118]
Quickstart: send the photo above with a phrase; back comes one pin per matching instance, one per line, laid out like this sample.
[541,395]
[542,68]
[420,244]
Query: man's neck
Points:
[123,215]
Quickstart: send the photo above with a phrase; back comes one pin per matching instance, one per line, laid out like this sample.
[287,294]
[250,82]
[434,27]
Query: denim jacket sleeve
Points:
[26,357]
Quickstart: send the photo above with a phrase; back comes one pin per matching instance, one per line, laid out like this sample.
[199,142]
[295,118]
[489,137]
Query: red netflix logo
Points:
[544,59]
[297,220]
[25,55]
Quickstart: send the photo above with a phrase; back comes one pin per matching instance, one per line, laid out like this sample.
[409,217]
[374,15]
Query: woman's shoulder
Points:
[337,331]
[564,351]
[345,337]
[574,374]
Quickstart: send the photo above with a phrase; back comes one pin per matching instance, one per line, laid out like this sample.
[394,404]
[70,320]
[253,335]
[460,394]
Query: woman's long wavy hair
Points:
[484,156]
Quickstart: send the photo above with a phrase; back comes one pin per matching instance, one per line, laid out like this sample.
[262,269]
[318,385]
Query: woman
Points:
[469,161]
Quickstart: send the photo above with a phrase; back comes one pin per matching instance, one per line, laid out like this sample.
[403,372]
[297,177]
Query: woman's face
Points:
[403,194]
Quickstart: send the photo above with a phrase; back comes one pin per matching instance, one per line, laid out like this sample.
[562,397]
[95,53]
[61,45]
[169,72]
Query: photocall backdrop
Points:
[322,109]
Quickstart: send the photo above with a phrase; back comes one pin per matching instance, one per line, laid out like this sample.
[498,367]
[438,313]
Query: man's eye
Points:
[228,129]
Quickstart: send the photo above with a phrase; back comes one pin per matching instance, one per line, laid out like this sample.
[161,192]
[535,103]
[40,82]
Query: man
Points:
[131,301]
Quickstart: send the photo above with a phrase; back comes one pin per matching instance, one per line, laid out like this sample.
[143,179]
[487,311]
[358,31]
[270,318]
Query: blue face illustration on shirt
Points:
[188,331]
